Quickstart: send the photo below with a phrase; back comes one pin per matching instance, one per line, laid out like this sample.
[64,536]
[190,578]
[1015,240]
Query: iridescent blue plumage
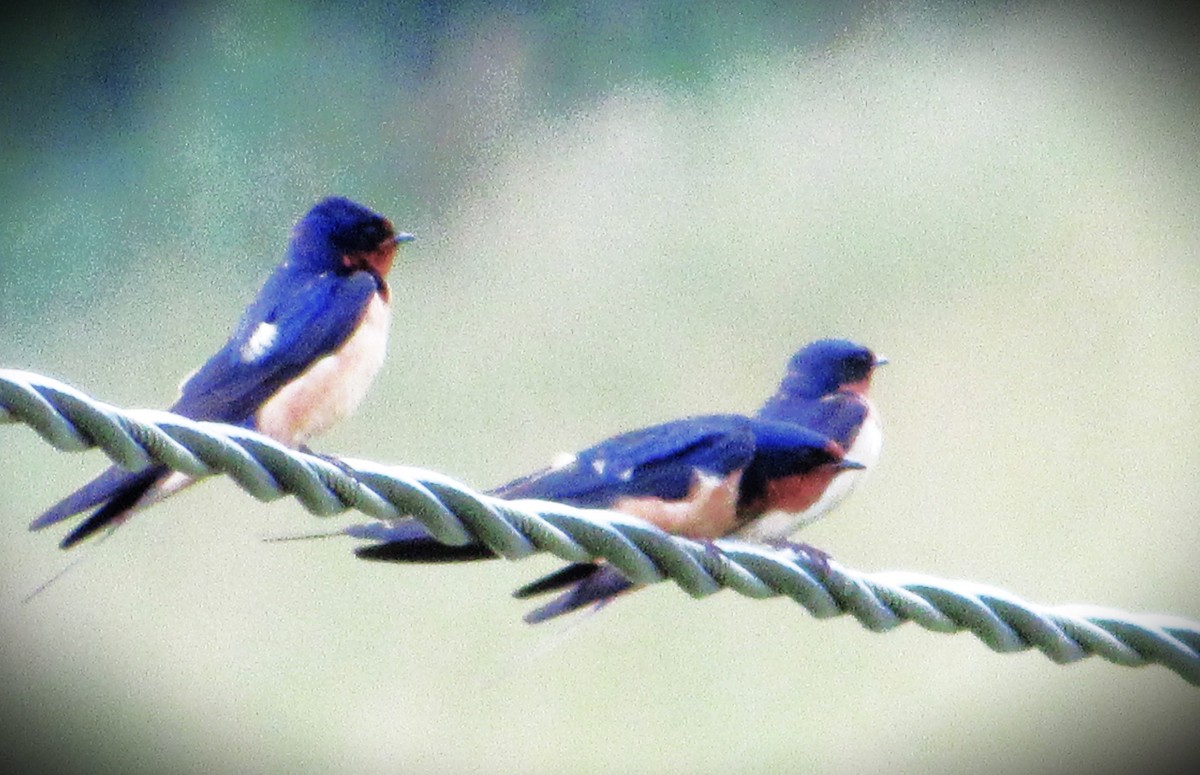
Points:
[300,357]
[820,389]
[788,458]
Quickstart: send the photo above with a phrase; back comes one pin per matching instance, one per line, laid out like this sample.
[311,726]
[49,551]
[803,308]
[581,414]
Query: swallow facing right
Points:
[825,390]
[756,478]
[301,358]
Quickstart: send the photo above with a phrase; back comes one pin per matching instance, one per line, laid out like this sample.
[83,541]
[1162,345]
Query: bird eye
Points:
[856,367]
[377,231]
[364,236]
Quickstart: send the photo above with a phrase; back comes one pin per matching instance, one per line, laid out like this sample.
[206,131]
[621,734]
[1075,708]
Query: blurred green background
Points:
[626,212]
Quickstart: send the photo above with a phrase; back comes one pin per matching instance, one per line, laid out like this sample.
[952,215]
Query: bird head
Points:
[829,365]
[342,236]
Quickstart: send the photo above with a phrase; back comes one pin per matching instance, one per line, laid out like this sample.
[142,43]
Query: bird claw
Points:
[818,557]
[332,460]
[711,548]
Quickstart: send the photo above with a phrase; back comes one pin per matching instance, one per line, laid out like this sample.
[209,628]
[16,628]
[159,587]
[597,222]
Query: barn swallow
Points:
[825,389]
[300,359]
[755,478]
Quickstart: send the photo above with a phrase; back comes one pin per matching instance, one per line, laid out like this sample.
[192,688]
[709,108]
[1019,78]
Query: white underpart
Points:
[260,342]
[332,387]
[562,460]
[865,450]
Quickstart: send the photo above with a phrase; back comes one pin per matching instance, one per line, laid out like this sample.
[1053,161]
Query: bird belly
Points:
[332,387]
[868,443]
[708,511]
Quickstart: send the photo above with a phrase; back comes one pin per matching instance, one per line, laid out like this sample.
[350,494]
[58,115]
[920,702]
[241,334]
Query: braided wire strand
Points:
[455,514]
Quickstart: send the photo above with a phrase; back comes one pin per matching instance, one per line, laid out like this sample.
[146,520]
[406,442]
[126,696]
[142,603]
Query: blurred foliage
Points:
[196,112]
[625,212]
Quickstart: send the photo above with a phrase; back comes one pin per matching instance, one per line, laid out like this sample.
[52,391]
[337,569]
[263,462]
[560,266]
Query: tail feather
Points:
[95,492]
[560,579]
[602,585]
[118,506]
[116,490]
[424,552]
[409,541]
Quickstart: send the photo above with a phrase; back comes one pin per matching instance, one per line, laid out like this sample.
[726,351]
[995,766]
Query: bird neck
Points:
[309,254]
[783,406]
[790,403]
[796,387]
[858,388]
[377,261]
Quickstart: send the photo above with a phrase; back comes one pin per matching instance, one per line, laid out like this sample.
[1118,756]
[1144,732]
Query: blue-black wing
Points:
[311,316]
[780,449]
[295,320]
[659,461]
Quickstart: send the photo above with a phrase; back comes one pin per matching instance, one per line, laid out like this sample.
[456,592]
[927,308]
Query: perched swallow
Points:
[300,359]
[825,390]
[758,478]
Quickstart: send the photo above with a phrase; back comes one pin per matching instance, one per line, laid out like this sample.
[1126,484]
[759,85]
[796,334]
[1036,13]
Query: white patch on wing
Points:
[260,342]
[562,460]
[332,387]
[598,465]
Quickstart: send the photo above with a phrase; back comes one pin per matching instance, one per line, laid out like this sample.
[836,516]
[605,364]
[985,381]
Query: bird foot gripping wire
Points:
[456,515]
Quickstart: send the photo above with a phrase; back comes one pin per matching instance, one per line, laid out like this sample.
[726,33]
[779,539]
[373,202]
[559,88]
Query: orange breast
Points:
[331,388]
[794,494]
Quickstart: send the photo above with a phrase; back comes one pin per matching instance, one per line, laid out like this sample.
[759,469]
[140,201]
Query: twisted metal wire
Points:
[454,514]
